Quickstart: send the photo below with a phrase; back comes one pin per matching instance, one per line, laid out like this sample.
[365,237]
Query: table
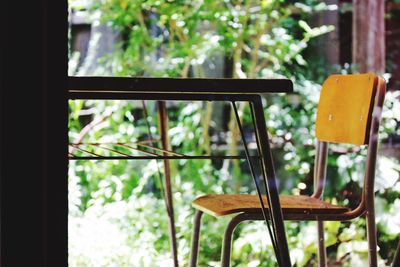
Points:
[194,89]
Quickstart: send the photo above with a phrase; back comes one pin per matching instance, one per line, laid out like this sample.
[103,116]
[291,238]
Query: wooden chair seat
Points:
[220,205]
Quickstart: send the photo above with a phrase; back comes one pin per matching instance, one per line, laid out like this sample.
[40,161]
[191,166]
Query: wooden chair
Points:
[349,112]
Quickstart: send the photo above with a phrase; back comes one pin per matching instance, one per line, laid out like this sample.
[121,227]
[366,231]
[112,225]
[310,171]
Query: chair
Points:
[349,112]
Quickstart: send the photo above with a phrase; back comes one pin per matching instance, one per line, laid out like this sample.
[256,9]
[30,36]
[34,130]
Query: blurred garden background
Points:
[117,214]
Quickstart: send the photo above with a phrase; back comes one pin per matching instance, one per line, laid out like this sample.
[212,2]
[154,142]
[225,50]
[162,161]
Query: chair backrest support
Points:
[369,179]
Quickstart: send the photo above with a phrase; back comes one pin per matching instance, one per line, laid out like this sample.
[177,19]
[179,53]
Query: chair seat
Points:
[220,205]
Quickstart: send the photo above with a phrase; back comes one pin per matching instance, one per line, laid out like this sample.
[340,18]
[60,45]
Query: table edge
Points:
[115,85]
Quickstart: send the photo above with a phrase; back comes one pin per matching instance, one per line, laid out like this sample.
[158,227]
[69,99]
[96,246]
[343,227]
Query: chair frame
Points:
[365,208]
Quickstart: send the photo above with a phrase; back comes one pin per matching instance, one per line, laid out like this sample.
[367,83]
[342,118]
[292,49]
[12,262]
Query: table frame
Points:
[230,90]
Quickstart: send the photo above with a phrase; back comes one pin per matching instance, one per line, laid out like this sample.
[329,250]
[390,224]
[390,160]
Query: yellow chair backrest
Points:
[345,108]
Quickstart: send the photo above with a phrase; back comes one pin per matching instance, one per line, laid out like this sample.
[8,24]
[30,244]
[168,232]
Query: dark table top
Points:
[145,85]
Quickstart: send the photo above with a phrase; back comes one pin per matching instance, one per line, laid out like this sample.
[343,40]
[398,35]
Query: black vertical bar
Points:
[33,108]
[252,172]
[272,188]
[262,166]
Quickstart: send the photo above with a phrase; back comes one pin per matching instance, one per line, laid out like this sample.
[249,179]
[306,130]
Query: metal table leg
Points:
[272,188]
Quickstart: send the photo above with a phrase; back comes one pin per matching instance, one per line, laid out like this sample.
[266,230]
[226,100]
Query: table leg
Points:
[272,188]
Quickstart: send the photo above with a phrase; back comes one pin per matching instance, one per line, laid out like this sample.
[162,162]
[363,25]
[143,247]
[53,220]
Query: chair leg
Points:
[227,244]
[195,238]
[321,245]
[371,236]
[396,258]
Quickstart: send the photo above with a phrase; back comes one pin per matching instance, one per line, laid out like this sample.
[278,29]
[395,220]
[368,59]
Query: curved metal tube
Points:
[320,169]
[195,238]
[396,259]
[227,244]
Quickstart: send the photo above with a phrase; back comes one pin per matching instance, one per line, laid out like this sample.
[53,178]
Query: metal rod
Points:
[159,176]
[140,143]
[163,124]
[263,209]
[263,171]
[195,238]
[396,259]
[162,150]
[113,143]
[137,149]
[112,150]
[320,169]
[227,242]
[321,152]
[116,143]
[151,141]
[321,244]
[369,179]
[272,187]
[155,157]
[371,237]
[84,150]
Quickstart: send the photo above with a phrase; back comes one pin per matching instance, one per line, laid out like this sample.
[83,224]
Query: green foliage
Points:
[167,38]
[117,212]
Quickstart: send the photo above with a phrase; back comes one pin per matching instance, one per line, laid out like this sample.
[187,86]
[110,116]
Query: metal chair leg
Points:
[396,259]
[321,245]
[227,244]
[195,238]
[371,236]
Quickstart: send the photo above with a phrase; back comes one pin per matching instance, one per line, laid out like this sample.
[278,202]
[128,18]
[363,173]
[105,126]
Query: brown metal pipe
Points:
[396,259]
[163,125]
[321,244]
[373,142]
[195,238]
[319,184]
[369,196]
[320,169]
[227,244]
